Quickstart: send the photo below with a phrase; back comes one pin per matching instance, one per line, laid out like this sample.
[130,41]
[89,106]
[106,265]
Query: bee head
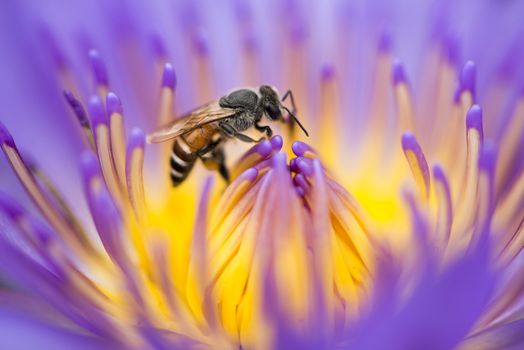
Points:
[271,102]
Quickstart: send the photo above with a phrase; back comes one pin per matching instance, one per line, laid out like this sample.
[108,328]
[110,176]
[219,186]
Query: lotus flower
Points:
[396,225]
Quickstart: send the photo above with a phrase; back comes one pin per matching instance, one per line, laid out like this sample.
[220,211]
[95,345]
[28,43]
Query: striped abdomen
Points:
[183,158]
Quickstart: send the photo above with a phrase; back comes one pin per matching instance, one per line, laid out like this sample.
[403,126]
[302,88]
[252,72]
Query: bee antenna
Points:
[296,120]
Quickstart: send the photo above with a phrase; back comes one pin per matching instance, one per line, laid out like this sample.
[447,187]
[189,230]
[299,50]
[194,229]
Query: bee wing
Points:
[205,114]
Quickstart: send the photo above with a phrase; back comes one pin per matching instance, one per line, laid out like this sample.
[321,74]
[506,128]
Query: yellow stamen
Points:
[509,144]
[404,105]
[468,199]
[444,219]
[135,184]
[55,219]
[103,146]
[118,146]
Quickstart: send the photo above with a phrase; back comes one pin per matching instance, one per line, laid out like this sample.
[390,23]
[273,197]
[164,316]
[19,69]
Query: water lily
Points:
[396,225]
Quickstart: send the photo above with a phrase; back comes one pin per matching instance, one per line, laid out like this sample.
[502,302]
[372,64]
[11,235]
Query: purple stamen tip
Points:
[300,181]
[298,32]
[51,44]
[467,77]
[157,45]
[304,166]
[451,49]
[108,213]
[250,42]
[97,111]
[438,172]
[399,74]
[327,73]
[299,148]
[5,136]
[169,76]
[99,68]
[137,139]
[277,142]
[474,118]
[89,165]
[409,141]
[249,174]
[488,156]
[10,207]
[263,148]
[385,42]
[201,43]
[113,103]
[293,165]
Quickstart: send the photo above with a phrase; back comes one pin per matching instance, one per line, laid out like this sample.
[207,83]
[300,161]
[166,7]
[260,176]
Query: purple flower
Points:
[396,225]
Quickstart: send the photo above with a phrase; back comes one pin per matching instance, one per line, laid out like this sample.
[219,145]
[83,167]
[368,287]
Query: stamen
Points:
[252,157]
[160,257]
[465,93]
[18,216]
[234,203]
[167,95]
[59,201]
[10,207]
[134,169]
[203,73]
[302,186]
[322,262]
[25,176]
[291,264]
[437,98]
[510,141]
[49,248]
[118,137]
[158,47]
[467,80]
[511,209]
[81,116]
[450,48]
[403,99]
[445,207]
[304,166]
[486,163]
[65,74]
[474,135]
[198,274]
[302,149]
[264,165]
[417,163]
[329,112]
[377,104]
[244,15]
[99,72]
[103,146]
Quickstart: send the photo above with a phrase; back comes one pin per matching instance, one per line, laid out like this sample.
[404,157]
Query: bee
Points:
[201,133]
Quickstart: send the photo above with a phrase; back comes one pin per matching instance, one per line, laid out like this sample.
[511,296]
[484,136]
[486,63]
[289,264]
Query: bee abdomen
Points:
[181,161]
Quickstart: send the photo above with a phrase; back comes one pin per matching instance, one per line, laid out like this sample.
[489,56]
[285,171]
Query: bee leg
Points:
[216,160]
[231,132]
[264,128]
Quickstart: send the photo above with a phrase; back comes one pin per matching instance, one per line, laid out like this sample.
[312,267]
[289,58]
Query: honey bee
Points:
[202,132]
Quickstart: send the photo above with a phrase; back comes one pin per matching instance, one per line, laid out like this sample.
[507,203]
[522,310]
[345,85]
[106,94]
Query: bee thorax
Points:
[241,122]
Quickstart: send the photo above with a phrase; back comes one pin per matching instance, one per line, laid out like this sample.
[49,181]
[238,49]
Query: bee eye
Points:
[273,111]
